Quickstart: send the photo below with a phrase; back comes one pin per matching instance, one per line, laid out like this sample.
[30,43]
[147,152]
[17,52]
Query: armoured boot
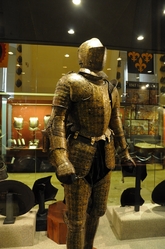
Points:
[90,231]
[75,235]
[76,197]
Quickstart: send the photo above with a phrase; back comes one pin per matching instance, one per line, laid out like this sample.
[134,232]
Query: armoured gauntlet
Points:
[65,171]
[126,159]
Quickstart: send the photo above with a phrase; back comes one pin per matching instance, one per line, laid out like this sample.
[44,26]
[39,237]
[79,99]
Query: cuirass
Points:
[91,108]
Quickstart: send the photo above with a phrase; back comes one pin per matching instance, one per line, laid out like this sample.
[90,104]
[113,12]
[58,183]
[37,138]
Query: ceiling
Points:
[116,23]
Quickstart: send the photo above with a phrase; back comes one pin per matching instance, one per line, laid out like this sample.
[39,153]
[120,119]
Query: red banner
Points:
[4,48]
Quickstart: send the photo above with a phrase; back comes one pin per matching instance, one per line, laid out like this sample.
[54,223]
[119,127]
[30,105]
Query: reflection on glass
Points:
[142,102]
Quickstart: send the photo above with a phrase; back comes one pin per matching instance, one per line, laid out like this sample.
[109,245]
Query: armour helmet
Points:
[92,55]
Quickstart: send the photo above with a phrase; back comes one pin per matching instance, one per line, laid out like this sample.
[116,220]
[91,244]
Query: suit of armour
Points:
[84,129]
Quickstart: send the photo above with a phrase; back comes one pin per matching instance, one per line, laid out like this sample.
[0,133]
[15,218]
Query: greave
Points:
[90,231]
[75,233]
[75,239]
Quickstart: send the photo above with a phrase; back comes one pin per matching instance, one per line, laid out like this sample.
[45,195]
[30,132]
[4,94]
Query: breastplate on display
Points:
[91,108]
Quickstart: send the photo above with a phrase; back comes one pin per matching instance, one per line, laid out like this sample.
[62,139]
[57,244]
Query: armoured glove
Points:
[65,171]
[127,162]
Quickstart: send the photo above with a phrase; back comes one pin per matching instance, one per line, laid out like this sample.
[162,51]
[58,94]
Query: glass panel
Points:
[27,87]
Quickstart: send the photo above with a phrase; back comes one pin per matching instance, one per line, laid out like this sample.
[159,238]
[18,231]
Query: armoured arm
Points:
[116,125]
[56,130]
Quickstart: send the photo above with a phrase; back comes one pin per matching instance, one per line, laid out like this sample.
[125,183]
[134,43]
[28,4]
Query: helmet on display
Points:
[92,55]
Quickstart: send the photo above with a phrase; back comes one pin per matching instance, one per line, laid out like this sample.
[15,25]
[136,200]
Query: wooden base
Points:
[56,227]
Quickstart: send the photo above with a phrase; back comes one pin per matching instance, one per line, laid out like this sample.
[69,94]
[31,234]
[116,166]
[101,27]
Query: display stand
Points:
[18,125]
[56,227]
[43,191]
[45,138]
[46,119]
[128,224]
[41,219]
[9,209]
[33,126]
[17,229]
[19,234]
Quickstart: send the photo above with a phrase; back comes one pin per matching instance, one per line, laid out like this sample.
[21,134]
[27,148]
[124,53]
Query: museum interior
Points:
[38,45]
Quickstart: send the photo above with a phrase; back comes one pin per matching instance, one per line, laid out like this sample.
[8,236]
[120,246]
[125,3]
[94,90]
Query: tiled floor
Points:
[105,237]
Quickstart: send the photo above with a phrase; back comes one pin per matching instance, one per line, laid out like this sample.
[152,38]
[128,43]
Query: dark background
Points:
[116,23]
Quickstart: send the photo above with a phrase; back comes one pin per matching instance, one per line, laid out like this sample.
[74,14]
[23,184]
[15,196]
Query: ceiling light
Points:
[140,37]
[71,31]
[164,12]
[66,55]
[76,2]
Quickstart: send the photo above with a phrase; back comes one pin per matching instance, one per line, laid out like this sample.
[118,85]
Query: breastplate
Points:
[91,108]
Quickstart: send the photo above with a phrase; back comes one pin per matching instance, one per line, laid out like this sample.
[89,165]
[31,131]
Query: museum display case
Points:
[142,119]
[25,127]
[26,101]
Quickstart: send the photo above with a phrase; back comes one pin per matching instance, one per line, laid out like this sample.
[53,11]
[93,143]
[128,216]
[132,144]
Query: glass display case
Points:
[24,135]
[27,88]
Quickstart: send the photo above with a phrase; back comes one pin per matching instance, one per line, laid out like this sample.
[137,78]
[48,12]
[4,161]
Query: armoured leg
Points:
[76,196]
[98,207]
[90,230]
